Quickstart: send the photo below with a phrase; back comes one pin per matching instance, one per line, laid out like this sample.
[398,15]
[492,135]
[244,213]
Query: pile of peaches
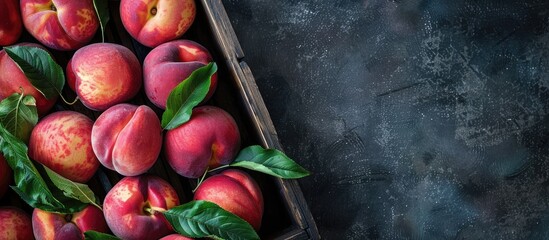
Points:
[67,147]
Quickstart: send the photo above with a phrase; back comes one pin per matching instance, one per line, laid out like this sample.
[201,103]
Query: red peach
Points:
[5,176]
[50,226]
[10,28]
[153,22]
[60,24]
[133,207]
[127,138]
[169,64]
[236,192]
[104,74]
[62,142]
[209,139]
[15,224]
[12,79]
[175,236]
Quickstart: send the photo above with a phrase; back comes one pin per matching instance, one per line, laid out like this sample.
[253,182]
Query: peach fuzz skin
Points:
[104,74]
[153,22]
[127,138]
[62,142]
[50,226]
[12,79]
[11,25]
[5,176]
[209,139]
[169,64]
[60,24]
[236,192]
[175,236]
[133,207]
[15,224]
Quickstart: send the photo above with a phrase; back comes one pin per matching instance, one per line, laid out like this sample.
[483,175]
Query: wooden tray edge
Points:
[233,54]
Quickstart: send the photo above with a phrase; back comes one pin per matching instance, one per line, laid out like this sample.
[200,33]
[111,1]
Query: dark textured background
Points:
[419,119]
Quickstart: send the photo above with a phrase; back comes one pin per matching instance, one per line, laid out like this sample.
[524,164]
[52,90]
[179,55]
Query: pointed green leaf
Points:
[18,115]
[28,182]
[269,161]
[102,10]
[40,68]
[187,95]
[94,235]
[71,189]
[198,219]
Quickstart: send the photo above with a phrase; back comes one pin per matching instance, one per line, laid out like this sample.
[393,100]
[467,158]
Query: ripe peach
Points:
[152,22]
[236,192]
[12,79]
[60,24]
[209,139]
[62,142]
[15,224]
[49,225]
[169,64]
[11,26]
[104,74]
[175,236]
[5,176]
[133,207]
[127,138]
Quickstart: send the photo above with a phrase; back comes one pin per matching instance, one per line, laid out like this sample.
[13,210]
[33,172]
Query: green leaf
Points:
[94,235]
[187,95]
[199,219]
[269,161]
[18,115]
[102,10]
[29,184]
[71,189]
[40,68]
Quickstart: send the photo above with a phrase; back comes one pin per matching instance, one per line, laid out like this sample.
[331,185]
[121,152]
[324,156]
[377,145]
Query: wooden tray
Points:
[286,213]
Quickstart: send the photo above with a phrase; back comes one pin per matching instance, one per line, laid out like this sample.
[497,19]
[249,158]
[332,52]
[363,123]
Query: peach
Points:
[133,207]
[153,22]
[62,142]
[12,79]
[236,192]
[127,138]
[60,24]
[5,176]
[209,139]
[11,26]
[175,237]
[169,64]
[104,74]
[49,225]
[14,224]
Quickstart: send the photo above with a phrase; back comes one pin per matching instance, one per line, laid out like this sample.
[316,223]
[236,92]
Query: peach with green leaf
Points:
[209,139]
[235,191]
[171,63]
[13,79]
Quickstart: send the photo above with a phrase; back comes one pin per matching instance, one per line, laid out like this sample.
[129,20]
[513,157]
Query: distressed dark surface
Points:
[418,119]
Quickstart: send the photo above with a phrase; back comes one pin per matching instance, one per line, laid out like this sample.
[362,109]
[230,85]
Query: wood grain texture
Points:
[257,111]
